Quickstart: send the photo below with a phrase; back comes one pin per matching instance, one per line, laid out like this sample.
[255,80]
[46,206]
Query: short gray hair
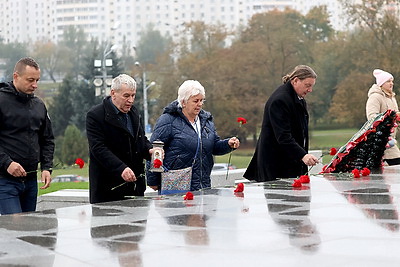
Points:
[121,79]
[189,88]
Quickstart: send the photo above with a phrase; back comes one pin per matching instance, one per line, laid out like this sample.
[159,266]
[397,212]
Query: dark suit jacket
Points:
[113,148]
[283,140]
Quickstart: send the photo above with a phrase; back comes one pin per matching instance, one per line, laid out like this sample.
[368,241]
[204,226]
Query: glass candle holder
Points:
[156,157]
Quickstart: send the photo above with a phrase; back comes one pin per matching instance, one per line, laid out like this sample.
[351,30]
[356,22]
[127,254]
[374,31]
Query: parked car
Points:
[223,167]
[68,178]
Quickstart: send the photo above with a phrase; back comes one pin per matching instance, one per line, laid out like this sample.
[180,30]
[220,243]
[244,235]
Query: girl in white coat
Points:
[381,97]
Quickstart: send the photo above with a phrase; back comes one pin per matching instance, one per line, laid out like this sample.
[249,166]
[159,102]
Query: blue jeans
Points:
[18,195]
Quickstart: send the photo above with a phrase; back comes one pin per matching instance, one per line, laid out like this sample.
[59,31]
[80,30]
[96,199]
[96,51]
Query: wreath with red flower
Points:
[366,148]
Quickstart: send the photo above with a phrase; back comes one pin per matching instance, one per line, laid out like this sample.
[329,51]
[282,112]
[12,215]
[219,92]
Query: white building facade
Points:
[115,20]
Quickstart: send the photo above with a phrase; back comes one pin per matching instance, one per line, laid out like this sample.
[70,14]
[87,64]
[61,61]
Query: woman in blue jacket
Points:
[189,135]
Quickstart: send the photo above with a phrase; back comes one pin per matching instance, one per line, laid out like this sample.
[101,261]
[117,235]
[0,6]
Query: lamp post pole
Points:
[145,103]
[105,54]
[103,81]
[145,106]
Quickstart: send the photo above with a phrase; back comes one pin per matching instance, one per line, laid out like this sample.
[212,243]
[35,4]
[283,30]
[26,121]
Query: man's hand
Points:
[310,160]
[128,175]
[16,170]
[46,179]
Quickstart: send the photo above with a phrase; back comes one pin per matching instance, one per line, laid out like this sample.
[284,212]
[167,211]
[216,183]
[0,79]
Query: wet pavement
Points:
[336,220]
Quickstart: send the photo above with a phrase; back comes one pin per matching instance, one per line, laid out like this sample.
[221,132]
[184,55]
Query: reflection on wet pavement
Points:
[336,220]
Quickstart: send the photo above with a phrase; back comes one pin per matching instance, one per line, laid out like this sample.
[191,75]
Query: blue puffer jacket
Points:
[181,142]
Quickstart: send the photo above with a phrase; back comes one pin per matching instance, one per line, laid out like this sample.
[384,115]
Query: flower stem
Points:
[49,169]
[134,183]
[115,187]
[229,163]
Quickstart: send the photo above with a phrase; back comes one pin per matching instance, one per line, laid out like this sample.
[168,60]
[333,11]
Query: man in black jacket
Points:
[118,145]
[26,139]
[282,148]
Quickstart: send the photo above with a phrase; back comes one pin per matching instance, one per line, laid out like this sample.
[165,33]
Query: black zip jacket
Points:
[26,135]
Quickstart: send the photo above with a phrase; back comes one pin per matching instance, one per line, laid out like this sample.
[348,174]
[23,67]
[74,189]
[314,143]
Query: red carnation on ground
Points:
[356,173]
[304,179]
[80,162]
[188,196]
[157,163]
[297,183]
[365,172]
[239,188]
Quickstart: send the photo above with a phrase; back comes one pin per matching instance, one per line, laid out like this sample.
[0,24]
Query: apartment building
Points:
[116,20]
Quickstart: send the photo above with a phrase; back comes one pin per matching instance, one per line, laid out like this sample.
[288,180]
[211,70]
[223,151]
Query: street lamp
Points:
[147,126]
[103,82]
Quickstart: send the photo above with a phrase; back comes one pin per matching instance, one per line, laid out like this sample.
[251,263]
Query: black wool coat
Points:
[113,148]
[283,140]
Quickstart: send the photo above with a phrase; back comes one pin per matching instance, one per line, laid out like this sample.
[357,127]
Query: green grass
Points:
[325,139]
[240,157]
[64,185]
[84,172]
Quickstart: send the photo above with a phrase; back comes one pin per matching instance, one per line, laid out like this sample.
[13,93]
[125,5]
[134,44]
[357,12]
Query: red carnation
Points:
[304,179]
[241,120]
[297,183]
[333,151]
[356,173]
[188,196]
[157,163]
[365,172]
[80,162]
[239,187]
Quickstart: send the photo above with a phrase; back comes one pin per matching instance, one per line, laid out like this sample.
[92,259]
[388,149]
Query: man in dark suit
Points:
[282,148]
[118,145]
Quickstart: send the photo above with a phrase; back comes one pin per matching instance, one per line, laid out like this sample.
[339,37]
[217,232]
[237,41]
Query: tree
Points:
[151,52]
[239,78]
[75,41]
[348,103]
[51,58]
[74,145]
[380,19]
[12,53]
[151,45]
[60,110]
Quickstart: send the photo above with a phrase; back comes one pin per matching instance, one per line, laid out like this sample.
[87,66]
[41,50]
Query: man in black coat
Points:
[26,140]
[282,148]
[118,145]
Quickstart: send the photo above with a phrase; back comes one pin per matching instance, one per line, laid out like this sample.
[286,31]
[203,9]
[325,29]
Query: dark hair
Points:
[23,62]
[302,72]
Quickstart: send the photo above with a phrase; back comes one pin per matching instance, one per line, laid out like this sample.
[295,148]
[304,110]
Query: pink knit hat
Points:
[381,76]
